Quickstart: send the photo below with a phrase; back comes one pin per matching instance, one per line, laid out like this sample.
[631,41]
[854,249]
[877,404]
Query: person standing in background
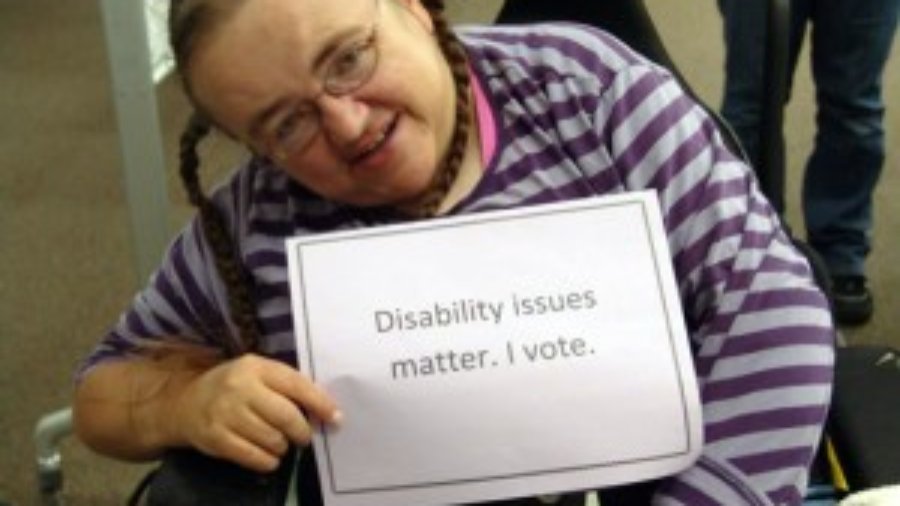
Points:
[851,42]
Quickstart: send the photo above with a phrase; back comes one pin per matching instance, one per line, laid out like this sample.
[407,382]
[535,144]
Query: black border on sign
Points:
[440,224]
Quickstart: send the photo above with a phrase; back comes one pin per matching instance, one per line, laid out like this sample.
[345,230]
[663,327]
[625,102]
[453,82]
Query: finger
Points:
[259,432]
[243,452]
[297,387]
[282,414]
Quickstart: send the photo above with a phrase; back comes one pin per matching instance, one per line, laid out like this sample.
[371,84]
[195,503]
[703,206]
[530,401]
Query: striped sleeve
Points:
[183,302]
[760,327]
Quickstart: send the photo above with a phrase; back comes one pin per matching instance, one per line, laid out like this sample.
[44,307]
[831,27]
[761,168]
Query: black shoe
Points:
[852,300]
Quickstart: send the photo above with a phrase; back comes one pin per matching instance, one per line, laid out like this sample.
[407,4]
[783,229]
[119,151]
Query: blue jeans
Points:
[851,40]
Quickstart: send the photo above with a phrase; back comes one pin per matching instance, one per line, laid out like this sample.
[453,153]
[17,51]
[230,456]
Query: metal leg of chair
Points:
[48,431]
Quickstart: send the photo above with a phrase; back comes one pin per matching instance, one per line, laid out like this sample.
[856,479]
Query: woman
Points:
[367,112]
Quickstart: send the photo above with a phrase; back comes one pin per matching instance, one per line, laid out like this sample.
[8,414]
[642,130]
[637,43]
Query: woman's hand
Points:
[247,410]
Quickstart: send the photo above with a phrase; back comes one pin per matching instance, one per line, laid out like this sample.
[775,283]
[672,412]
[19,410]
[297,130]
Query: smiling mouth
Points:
[376,142]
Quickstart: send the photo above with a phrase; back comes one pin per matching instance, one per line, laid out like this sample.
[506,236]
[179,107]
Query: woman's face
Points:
[262,72]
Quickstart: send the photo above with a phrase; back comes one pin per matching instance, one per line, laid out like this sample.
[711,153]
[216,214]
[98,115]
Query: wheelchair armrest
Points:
[48,431]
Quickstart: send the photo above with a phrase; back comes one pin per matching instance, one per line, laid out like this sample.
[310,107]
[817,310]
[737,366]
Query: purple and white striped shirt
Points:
[579,114]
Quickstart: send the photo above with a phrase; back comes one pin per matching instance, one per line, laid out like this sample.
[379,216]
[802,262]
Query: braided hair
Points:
[191,19]
[455,54]
[241,305]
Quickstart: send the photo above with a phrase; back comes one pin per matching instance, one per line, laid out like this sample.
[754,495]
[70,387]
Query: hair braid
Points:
[240,299]
[456,57]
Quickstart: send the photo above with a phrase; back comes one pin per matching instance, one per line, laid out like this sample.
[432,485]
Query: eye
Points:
[347,63]
[352,60]
[293,131]
[286,127]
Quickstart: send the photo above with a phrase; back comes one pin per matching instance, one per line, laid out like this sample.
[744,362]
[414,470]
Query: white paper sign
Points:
[505,354]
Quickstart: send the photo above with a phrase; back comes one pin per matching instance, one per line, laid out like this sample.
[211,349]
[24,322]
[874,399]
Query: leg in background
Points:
[850,45]
[745,44]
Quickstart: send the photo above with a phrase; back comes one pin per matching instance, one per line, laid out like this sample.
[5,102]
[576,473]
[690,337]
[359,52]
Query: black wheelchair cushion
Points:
[864,424]
[190,478]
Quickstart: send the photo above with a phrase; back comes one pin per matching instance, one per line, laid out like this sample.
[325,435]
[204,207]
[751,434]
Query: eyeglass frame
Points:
[281,149]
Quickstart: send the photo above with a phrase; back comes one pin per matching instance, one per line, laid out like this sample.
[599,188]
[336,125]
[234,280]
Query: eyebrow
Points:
[331,46]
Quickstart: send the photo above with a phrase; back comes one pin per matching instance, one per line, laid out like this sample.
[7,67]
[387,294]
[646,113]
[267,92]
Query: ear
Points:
[418,10]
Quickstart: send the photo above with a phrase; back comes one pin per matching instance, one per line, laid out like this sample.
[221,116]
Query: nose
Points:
[343,118]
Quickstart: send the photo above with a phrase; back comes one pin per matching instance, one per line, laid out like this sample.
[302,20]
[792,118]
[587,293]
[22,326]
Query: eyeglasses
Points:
[352,66]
